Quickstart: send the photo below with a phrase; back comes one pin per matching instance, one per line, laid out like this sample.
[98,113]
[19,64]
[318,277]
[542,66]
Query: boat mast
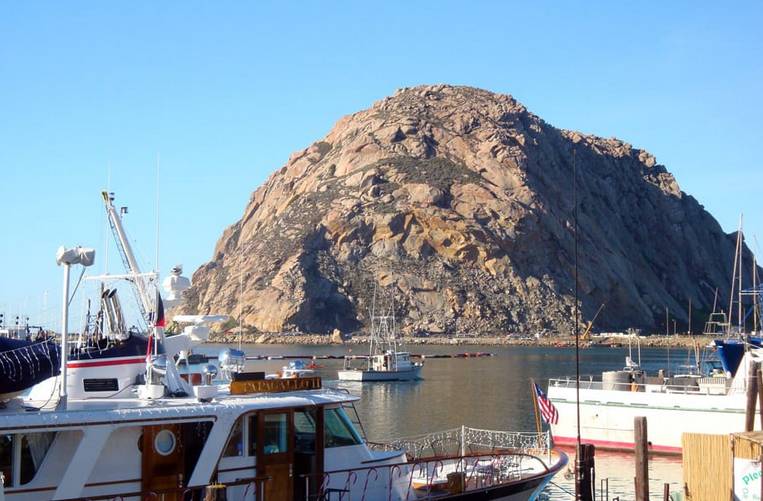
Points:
[145,302]
[373,326]
[393,332]
[240,306]
[741,244]
[734,276]
[754,294]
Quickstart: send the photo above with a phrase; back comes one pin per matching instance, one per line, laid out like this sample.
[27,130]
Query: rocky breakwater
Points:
[459,202]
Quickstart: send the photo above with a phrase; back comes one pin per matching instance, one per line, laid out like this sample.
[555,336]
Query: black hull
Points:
[135,345]
[23,364]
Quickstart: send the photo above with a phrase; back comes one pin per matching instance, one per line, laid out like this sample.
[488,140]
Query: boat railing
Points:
[466,440]
[704,385]
[422,479]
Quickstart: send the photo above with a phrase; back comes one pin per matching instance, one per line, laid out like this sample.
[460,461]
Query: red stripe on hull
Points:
[617,446]
[103,363]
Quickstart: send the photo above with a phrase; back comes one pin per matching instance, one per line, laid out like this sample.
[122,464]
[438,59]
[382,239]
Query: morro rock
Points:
[459,202]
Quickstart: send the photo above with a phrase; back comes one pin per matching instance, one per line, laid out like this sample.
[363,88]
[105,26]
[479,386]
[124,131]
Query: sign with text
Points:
[275,385]
[747,479]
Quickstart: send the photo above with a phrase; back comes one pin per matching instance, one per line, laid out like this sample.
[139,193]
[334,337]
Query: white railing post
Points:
[463,440]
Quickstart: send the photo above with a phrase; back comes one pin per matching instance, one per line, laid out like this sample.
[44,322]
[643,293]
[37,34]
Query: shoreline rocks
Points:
[656,341]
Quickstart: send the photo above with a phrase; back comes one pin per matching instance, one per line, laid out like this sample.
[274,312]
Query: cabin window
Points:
[34,447]
[338,431]
[235,445]
[276,433]
[19,468]
[304,432]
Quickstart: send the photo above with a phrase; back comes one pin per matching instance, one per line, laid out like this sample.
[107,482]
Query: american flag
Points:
[547,409]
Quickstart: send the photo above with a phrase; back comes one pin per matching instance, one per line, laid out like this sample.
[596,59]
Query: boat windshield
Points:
[338,430]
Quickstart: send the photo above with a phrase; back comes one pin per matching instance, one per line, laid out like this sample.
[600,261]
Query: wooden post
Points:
[642,458]
[752,394]
[666,492]
[538,426]
[584,472]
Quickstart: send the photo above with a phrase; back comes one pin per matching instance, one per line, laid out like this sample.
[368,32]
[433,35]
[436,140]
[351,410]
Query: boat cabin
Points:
[275,444]
[390,361]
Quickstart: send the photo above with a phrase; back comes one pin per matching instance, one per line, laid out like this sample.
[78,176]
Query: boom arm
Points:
[137,278]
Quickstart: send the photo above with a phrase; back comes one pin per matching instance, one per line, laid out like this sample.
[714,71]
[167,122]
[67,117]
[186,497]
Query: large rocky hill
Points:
[459,202]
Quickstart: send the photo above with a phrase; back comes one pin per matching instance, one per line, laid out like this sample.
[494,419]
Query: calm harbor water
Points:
[491,393]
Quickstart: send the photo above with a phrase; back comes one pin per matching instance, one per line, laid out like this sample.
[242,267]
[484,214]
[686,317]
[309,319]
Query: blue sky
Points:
[223,92]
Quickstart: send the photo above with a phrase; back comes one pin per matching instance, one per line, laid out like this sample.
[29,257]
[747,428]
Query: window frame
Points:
[345,420]
[17,438]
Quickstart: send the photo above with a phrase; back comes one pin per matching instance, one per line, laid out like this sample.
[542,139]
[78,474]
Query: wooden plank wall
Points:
[746,445]
[707,464]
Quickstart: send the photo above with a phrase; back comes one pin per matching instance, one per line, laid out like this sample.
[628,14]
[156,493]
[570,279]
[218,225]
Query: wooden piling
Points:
[666,492]
[640,438]
[752,396]
[584,472]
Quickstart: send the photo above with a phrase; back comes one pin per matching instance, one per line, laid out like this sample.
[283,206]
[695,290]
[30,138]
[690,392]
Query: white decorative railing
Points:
[466,441]
[596,383]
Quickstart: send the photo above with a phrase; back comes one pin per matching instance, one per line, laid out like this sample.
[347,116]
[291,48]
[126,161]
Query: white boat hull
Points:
[368,375]
[606,416]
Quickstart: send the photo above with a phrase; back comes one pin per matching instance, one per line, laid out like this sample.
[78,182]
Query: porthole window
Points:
[165,442]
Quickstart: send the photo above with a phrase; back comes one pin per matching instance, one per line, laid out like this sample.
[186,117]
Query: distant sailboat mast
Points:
[737,267]
[240,306]
[740,236]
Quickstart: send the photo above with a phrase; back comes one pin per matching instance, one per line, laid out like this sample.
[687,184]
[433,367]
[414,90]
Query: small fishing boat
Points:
[384,362]
[387,366]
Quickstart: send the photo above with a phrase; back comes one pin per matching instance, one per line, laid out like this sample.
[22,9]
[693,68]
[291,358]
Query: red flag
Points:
[159,312]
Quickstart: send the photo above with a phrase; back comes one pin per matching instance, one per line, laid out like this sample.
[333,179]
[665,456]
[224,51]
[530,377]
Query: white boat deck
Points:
[84,412]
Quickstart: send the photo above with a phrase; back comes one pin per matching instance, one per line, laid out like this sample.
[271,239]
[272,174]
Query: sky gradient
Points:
[220,94]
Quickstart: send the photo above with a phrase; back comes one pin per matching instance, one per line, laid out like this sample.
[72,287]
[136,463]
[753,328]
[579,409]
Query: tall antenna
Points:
[107,227]
[580,463]
[577,334]
[106,224]
[156,266]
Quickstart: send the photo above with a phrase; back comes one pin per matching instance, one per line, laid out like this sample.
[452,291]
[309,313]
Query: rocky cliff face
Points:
[460,203]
